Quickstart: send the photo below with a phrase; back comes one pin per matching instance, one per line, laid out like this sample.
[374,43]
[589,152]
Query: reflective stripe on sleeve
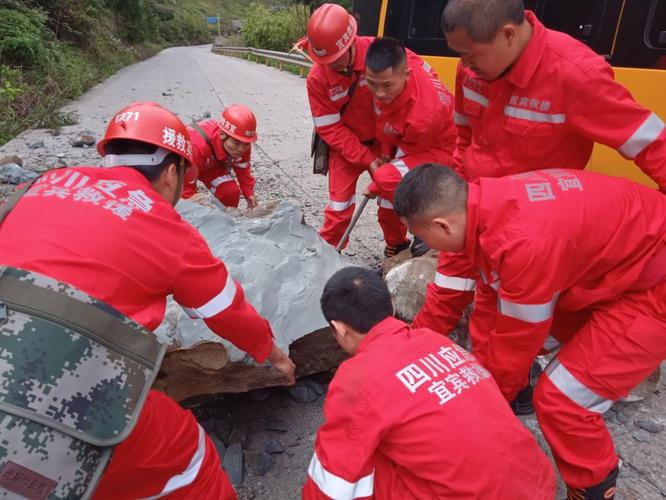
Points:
[215,183]
[244,164]
[215,305]
[337,97]
[339,206]
[475,96]
[531,313]
[384,203]
[186,477]
[460,119]
[322,121]
[454,283]
[401,166]
[569,385]
[336,487]
[534,116]
[645,135]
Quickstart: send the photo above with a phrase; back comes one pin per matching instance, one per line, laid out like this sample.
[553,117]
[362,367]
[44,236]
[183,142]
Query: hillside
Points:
[53,50]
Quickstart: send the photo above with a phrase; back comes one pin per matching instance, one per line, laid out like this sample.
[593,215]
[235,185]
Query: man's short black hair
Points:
[430,189]
[130,147]
[357,297]
[385,53]
[482,19]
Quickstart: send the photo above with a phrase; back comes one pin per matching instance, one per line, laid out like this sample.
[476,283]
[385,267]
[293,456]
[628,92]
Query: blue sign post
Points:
[214,20]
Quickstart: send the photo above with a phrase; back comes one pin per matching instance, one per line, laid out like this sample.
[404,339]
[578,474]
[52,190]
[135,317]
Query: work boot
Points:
[393,250]
[419,247]
[605,490]
[522,404]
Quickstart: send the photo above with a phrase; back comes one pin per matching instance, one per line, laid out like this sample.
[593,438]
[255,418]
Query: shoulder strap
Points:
[205,137]
[350,93]
[14,198]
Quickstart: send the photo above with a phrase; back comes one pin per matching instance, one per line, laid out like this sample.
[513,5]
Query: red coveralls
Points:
[350,135]
[215,166]
[412,416]
[107,232]
[416,127]
[547,112]
[581,256]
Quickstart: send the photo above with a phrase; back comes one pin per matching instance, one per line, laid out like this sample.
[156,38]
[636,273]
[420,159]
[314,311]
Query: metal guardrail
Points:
[267,55]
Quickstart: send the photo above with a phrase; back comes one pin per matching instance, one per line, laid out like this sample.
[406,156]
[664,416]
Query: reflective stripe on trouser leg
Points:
[395,232]
[580,442]
[455,282]
[341,206]
[218,181]
[342,178]
[569,385]
[335,223]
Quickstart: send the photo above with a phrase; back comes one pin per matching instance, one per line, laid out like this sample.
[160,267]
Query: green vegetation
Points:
[275,28]
[53,50]
[280,25]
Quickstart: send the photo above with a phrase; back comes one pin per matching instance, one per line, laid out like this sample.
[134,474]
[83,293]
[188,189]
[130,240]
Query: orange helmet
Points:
[331,31]
[150,123]
[239,122]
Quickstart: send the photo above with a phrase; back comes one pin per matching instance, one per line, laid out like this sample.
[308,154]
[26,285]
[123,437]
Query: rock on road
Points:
[191,81]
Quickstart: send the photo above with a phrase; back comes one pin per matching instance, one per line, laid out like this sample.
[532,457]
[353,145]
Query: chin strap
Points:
[181,181]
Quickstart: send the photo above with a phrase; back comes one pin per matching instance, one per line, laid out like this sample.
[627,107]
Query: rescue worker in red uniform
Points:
[572,253]
[414,124]
[221,150]
[114,234]
[527,98]
[412,415]
[342,110]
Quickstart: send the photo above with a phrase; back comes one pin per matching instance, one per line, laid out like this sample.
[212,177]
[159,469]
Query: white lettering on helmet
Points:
[346,36]
[227,125]
[127,116]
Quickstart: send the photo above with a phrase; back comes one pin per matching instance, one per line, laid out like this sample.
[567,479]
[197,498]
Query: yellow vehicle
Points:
[630,34]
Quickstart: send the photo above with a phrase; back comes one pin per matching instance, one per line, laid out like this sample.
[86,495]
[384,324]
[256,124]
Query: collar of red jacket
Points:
[472,233]
[362,44]
[218,147]
[388,326]
[522,71]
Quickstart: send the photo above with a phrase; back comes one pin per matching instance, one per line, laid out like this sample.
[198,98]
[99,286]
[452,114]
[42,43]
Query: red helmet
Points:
[331,31]
[239,122]
[151,123]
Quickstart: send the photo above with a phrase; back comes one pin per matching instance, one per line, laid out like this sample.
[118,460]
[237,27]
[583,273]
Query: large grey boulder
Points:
[282,264]
[407,279]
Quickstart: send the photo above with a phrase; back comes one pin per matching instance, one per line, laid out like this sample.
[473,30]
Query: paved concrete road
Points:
[191,81]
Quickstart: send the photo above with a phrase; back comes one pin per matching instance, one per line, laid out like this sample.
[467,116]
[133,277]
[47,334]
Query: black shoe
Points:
[393,250]
[419,247]
[605,490]
[522,404]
